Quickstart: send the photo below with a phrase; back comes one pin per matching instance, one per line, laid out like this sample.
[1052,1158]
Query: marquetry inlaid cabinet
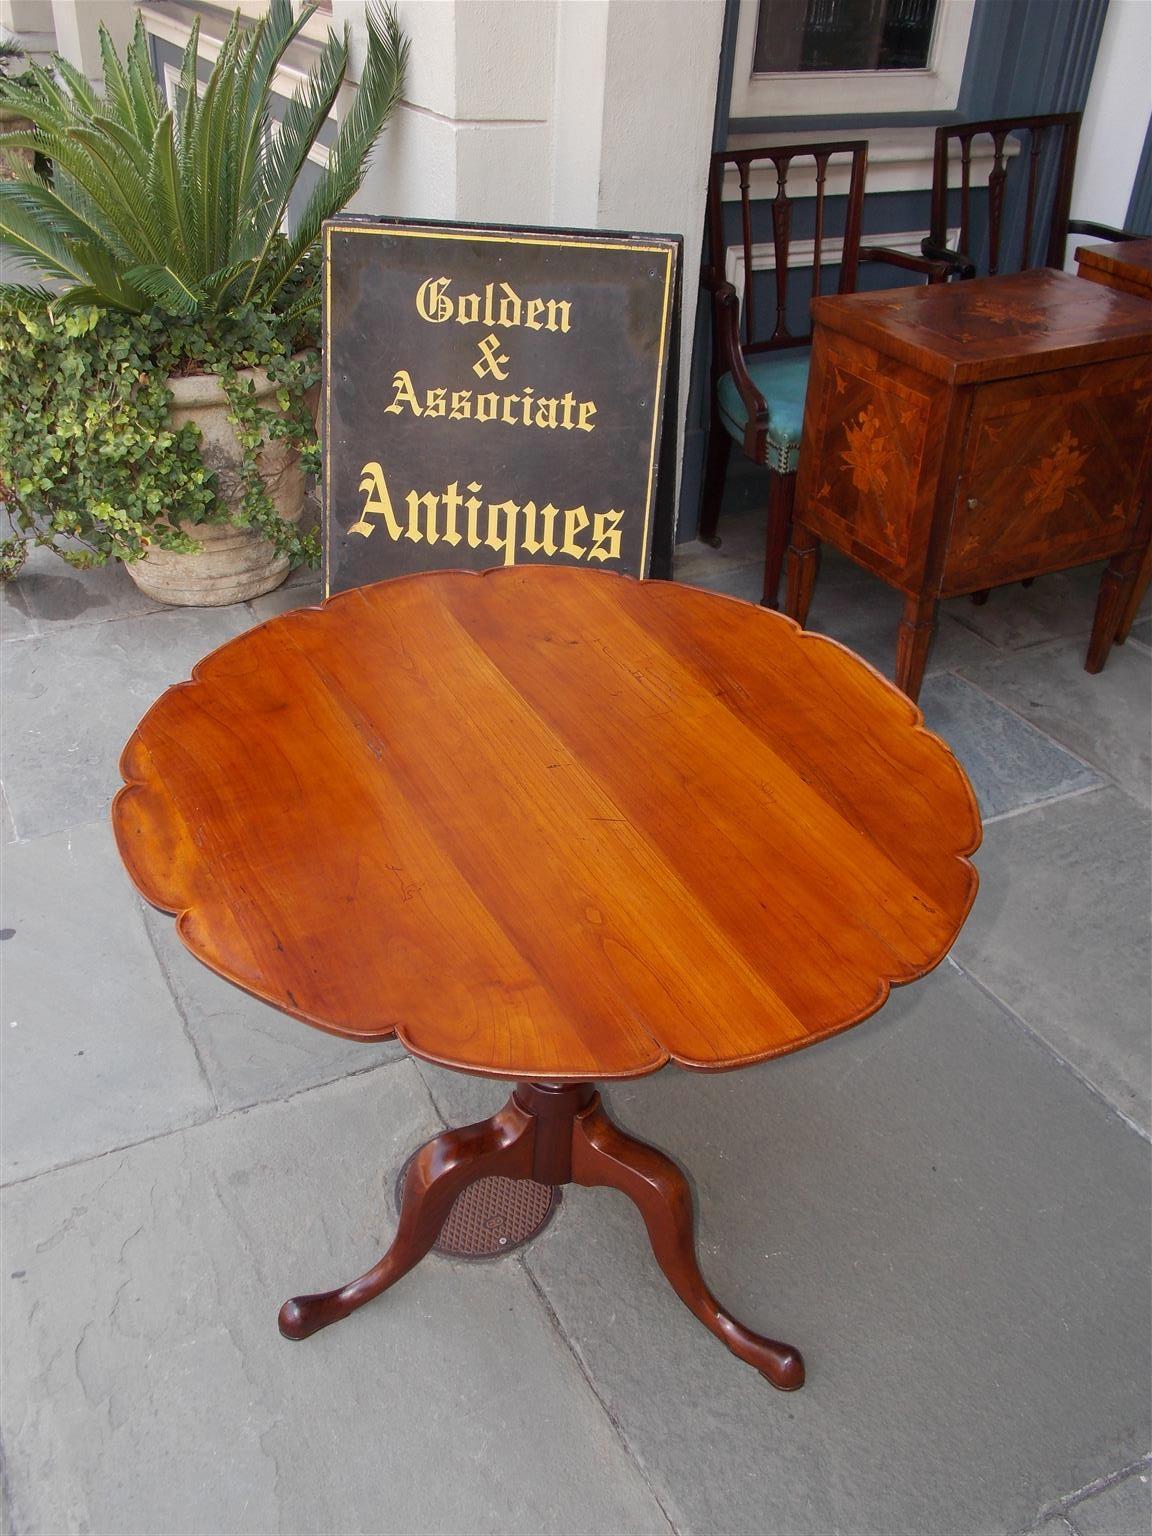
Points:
[962,436]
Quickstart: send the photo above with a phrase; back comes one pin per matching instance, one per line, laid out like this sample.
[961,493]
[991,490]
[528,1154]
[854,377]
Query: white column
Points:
[77,24]
[30,22]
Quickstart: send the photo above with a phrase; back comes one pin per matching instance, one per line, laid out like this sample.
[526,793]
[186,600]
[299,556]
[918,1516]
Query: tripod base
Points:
[555,1135]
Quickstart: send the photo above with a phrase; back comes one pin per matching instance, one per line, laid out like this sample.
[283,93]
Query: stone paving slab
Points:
[1011,764]
[1122,1509]
[849,604]
[56,594]
[94,1053]
[1060,933]
[250,1052]
[73,697]
[1054,607]
[16,622]
[1105,719]
[939,1214]
[293,594]
[148,1390]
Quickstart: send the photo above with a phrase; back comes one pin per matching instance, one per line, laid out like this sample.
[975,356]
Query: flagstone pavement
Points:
[946,1208]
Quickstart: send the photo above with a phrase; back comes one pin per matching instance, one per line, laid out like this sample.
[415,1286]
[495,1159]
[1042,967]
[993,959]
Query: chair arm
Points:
[959,264]
[934,271]
[729,355]
[1101,231]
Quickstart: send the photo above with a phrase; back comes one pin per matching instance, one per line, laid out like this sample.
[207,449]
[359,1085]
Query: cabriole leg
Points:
[602,1154]
[441,1169]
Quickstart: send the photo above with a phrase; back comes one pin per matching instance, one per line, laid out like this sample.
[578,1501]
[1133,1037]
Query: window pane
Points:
[793,35]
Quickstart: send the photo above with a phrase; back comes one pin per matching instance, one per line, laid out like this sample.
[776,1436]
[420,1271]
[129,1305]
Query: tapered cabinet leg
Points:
[439,1172]
[781,500]
[1136,597]
[803,563]
[603,1155]
[913,640]
[1115,606]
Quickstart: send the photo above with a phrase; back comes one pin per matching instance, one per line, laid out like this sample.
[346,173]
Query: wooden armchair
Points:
[760,363]
[1048,181]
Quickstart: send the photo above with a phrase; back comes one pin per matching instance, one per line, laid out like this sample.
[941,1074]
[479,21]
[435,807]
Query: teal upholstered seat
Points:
[782,379]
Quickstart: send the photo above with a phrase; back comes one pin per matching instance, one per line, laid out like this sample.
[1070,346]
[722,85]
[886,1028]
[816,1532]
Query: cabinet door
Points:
[1052,472]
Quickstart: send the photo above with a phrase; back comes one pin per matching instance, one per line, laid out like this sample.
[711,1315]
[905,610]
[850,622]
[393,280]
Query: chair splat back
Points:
[1060,128]
[841,249]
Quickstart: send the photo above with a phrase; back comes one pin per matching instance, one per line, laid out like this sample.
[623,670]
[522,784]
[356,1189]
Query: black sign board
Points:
[496,396]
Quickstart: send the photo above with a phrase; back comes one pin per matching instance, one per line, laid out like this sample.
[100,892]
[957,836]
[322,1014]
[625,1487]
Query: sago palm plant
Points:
[182,208]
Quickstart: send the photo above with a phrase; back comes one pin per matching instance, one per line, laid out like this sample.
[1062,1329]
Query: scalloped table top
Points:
[553,824]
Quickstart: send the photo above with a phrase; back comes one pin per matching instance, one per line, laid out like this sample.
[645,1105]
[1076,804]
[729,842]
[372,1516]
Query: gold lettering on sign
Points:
[522,409]
[498,306]
[377,503]
[505,527]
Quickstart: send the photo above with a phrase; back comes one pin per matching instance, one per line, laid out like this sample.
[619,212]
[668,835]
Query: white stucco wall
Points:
[1116,116]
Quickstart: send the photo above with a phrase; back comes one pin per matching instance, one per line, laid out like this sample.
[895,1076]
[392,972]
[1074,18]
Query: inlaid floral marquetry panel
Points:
[1056,470]
[873,442]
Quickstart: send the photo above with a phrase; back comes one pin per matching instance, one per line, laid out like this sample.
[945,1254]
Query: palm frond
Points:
[117,91]
[288,148]
[47,203]
[164,186]
[212,146]
[82,92]
[147,107]
[167,288]
[29,294]
[380,91]
[32,243]
[268,45]
[183,205]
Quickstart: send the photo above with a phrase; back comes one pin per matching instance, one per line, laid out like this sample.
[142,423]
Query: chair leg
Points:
[715,473]
[981,597]
[781,500]
[913,639]
[803,564]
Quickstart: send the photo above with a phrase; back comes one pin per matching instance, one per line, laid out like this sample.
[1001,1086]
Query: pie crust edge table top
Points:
[553,824]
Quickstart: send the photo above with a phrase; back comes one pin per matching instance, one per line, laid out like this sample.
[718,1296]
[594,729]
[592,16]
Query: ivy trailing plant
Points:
[162,231]
[90,463]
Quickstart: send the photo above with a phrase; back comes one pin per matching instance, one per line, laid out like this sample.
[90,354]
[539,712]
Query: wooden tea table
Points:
[554,826]
[962,436]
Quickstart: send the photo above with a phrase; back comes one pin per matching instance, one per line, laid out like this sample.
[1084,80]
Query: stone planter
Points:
[233,564]
[15,163]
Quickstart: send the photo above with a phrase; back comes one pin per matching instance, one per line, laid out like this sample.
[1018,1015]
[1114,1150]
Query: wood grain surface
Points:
[1124,265]
[992,327]
[550,823]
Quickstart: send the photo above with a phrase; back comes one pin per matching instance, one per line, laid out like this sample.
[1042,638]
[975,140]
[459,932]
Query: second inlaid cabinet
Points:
[964,436]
